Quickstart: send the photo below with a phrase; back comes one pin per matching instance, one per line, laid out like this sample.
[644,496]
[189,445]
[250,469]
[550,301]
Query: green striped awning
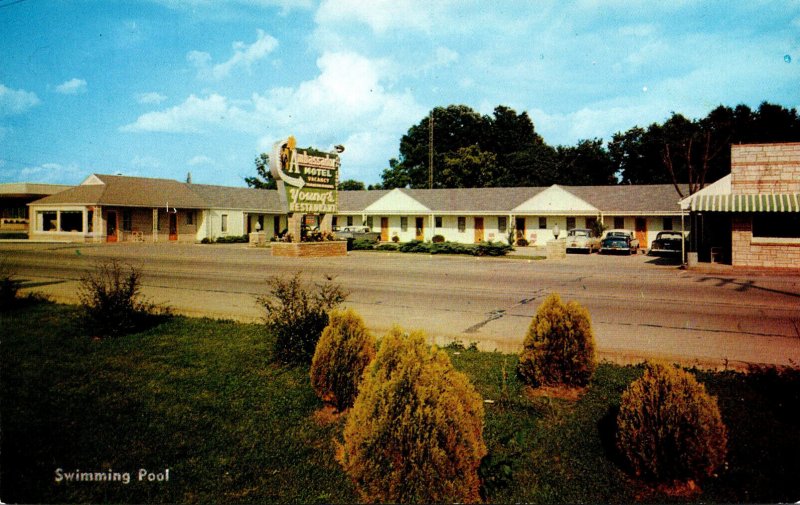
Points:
[786,202]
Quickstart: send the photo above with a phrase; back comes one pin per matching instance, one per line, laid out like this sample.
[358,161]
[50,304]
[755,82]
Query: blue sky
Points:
[160,88]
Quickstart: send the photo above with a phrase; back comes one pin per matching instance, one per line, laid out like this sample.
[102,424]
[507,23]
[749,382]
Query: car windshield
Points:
[615,240]
[578,233]
[673,236]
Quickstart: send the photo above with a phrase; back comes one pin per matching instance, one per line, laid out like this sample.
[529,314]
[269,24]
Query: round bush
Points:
[559,345]
[415,433]
[343,352]
[669,428]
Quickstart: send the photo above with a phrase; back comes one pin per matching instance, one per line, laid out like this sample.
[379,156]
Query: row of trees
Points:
[504,150]
[501,150]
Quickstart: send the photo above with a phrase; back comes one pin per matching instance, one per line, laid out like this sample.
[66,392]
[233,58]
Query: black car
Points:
[668,243]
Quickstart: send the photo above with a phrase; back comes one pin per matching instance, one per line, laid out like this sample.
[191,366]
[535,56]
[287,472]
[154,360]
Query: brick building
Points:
[757,206]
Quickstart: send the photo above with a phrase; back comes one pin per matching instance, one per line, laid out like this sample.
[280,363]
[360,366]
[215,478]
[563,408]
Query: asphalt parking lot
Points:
[641,307]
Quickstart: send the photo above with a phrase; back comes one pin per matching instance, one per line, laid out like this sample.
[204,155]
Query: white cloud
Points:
[200,160]
[146,162]
[150,98]
[244,55]
[347,101]
[380,15]
[194,115]
[54,173]
[16,101]
[72,87]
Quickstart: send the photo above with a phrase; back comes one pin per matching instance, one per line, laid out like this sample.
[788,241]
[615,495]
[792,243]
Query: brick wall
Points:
[765,168]
[744,253]
[309,249]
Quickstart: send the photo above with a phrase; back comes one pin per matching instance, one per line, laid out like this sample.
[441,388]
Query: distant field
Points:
[202,398]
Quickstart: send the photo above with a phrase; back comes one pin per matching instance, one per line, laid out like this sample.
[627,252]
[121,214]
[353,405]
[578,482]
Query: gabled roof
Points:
[114,190]
[630,199]
[226,197]
[357,201]
[128,192]
[556,200]
[472,200]
[395,201]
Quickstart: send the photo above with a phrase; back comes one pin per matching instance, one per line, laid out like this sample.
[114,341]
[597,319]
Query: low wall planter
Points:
[310,249]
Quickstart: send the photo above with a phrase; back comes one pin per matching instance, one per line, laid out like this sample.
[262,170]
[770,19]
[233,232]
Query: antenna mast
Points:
[430,151]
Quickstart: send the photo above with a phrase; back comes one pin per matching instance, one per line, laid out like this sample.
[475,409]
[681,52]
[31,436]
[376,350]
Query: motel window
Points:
[48,220]
[667,223]
[335,221]
[619,222]
[437,222]
[369,222]
[570,223]
[502,224]
[349,220]
[90,221]
[127,220]
[190,217]
[404,223]
[462,223]
[16,213]
[71,220]
[776,225]
[224,223]
[542,223]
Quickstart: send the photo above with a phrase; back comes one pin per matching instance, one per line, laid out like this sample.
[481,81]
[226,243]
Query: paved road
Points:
[639,308]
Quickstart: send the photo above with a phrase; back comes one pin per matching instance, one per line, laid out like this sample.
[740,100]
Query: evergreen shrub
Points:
[559,346]
[669,428]
[415,433]
[112,303]
[343,352]
[362,245]
[297,314]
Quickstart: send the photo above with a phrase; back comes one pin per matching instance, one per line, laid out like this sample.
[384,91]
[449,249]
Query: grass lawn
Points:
[203,399]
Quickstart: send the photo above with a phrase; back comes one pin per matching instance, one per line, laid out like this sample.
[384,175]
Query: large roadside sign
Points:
[307,179]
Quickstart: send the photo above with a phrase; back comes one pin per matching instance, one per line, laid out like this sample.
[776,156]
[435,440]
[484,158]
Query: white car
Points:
[582,239]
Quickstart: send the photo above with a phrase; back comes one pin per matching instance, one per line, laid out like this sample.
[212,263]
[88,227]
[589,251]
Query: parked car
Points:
[358,233]
[633,242]
[668,243]
[582,239]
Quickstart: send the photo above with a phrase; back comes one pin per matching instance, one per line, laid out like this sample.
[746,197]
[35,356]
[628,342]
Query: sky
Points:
[163,88]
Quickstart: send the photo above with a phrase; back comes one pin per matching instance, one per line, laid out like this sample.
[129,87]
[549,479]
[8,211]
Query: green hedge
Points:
[480,249]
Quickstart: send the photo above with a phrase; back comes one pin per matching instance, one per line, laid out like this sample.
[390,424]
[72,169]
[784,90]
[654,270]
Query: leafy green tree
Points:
[586,164]
[263,179]
[468,167]
[696,152]
[351,185]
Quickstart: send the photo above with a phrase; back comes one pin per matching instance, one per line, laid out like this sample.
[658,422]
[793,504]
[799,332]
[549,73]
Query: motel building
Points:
[749,218]
[113,208]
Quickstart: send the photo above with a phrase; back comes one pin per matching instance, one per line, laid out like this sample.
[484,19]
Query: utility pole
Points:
[430,151]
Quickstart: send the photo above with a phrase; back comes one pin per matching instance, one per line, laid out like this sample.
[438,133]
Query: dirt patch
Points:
[327,415]
[559,392]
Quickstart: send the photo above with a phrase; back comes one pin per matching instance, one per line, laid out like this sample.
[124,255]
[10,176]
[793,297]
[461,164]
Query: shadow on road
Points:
[743,286]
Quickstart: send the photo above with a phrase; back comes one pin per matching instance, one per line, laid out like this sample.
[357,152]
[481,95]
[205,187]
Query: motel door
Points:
[478,229]
[520,227]
[111,227]
[420,228]
[384,229]
[641,232]
[173,226]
